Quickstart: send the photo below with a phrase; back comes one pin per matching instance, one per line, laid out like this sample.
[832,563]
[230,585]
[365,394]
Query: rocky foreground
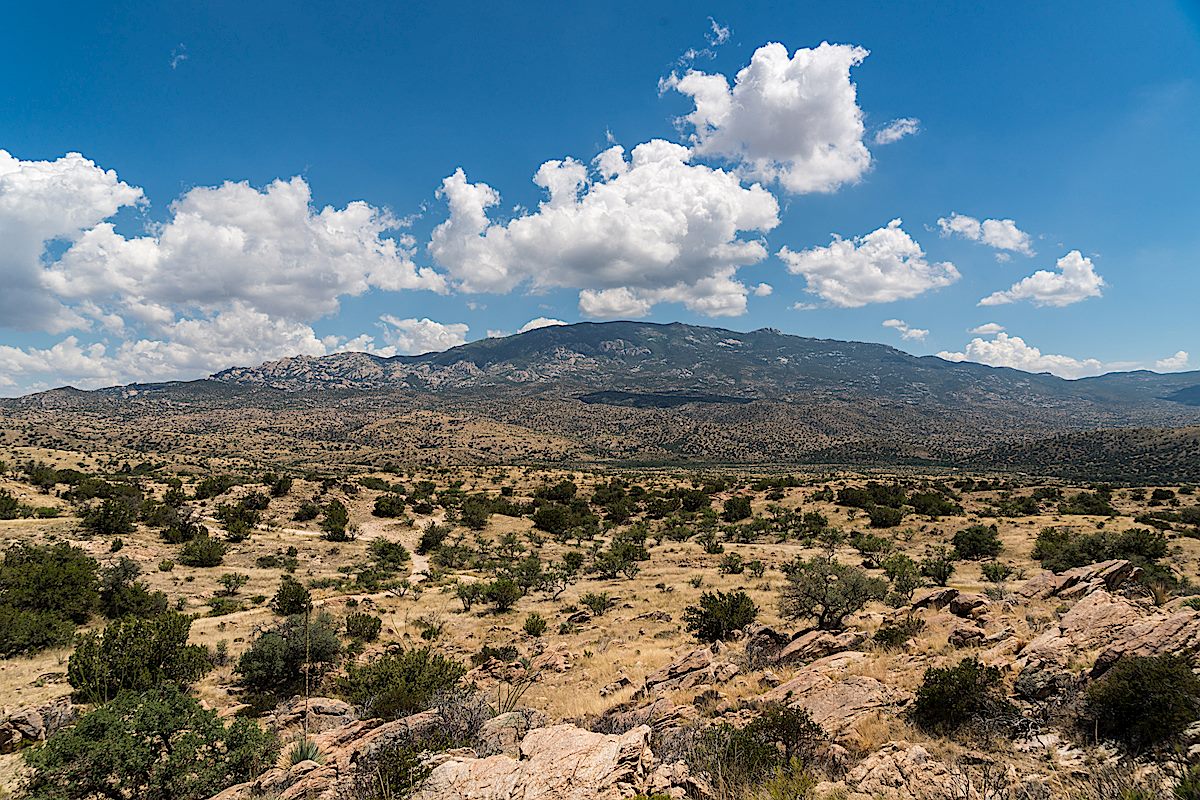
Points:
[635,748]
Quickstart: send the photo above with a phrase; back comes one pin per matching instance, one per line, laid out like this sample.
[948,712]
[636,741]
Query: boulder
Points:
[1095,622]
[963,635]
[837,702]
[697,668]
[936,598]
[661,715]
[763,643]
[812,645]
[966,604]
[561,762]
[902,771]
[1177,633]
[1079,582]
[503,733]
[324,713]
[36,724]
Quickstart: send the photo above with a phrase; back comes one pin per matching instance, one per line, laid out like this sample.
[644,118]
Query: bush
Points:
[136,655]
[977,542]
[1094,503]
[9,507]
[291,598]
[400,682]
[1061,549]
[885,516]
[335,521]
[773,749]
[363,627]
[905,577]
[112,517]
[719,615]
[388,556]
[1144,701]
[275,661]
[202,551]
[58,579]
[891,636]
[596,602]
[502,593]
[307,510]
[995,571]
[23,632]
[736,508]
[731,564]
[827,591]
[938,566]
[950,698]
[122,595]
[389,505]
[432,537]
[535,625]
[157,745]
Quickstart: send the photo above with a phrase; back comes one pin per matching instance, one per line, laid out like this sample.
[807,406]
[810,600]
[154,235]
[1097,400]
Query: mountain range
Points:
[648,392]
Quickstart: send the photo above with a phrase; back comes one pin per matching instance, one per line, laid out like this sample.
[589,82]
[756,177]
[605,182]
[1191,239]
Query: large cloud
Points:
[635,232]
[235,275]
[1175,363]
[794,119]
[42,202]
[416,336]
[1012,351]
[1076,280]
[880,267]
[1001,234]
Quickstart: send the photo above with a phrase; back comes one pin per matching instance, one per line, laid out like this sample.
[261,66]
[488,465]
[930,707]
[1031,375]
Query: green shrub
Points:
[389,506]
[9,507]
[363,627]
[893,635]
[535,625]
[159,744]
[335,522]
[400,682]
[905,577]
[291,597]
[1061,549]
[432,537]
[1145,700]
[275,662]
[731,564]
[938,566]
[736,508]
[59,579]
[977,542]
[1094,503]
[24,631]
[202,551]
[995,571]
[137,655]
[885,516]
[388,556]
[773,749]
[122,595]
[214,486]
[827,591]
[719,615]
[112,517]
[596,602]
[307,510]
[502,593]
[950,698]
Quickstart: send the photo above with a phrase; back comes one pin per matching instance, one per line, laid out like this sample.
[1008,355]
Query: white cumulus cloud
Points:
[1000,234]
[1012,351]
[987,328]
[1175,363]
[1075,280]
[897,129]
[905,330]
[540,322]
[415,336]
[880,267]
[791,118]
[634,232]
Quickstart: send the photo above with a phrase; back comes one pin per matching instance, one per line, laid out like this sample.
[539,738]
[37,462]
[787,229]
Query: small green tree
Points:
[291,597]
[135,654]
[400,682]
[827,591]
[950,698]
[1145,700]
[363,627]
[719,615]
[279,660]
[335,521]
[155,744]
[977,542]
[202,551]
[736,508]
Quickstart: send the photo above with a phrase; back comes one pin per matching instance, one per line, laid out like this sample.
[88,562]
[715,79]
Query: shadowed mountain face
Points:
[635,391]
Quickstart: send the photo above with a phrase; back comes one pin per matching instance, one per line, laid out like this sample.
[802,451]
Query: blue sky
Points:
[1071,126]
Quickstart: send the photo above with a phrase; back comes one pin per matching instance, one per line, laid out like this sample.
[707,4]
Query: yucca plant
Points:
[304,749]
